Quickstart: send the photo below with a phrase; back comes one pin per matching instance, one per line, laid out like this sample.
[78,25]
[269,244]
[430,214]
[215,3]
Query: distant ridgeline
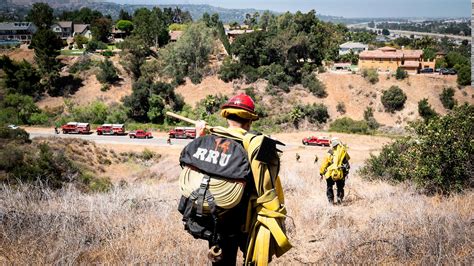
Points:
[113,9]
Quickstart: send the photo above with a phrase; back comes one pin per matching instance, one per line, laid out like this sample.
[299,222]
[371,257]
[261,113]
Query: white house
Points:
[355,47]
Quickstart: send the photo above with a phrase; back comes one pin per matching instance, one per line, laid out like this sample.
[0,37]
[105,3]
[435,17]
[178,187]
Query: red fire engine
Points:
[76,128]
[111,129]
[183,133]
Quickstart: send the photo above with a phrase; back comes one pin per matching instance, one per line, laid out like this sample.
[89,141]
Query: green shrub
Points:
[348,125]
[425,110]
[314,85]
[341,108]
[107,73]
[230,70]
[18,135]
[401,74]
[80,41]
[38,119]
[147,154]
[250,74]
[393,99]
[316,113]
[84,63]
[371,75]
[370,119]
[94,45]
[438,159]
[276,76]
[464,75]
[447,98]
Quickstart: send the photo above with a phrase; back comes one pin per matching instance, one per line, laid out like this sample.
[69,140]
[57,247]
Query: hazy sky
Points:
[346,8]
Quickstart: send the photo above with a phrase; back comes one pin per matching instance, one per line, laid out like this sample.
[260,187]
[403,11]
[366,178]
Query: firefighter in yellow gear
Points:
[261,234]
[335,169]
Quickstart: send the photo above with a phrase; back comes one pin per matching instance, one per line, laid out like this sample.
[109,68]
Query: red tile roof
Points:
[389,52]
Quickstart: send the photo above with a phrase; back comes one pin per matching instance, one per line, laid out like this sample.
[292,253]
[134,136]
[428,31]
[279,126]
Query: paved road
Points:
[435,35]
[125,140]
[408,33]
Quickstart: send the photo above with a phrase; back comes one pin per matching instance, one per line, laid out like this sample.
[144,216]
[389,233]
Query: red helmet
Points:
[241,101]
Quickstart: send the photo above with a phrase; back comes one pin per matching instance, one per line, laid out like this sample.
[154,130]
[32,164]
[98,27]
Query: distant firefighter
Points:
[298,157]
[335,169]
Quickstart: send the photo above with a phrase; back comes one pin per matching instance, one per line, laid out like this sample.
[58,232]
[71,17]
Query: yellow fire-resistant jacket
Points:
[336,163]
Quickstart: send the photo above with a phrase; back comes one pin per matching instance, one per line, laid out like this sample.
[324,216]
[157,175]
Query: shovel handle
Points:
[185,119]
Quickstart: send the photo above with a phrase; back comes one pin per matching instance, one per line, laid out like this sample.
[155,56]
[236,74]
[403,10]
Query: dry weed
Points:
[138,223]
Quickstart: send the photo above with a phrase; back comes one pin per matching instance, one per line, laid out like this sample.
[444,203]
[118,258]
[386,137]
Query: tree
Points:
[189,55]
[107,73]
[401,74]
[151,26]
[393,99]
[124,15]
[80,41]
[133,55]
[385,32]
[21,77]
[125,25]
[425,110]
[447,98]
[23,105]
[41,14]
[46,45]
[148,100]
[101,29]
[438,159]
[464,75]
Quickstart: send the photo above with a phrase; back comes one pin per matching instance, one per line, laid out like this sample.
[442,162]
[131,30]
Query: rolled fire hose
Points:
[227,193]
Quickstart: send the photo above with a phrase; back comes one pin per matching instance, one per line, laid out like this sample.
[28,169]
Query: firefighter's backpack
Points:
[212,182]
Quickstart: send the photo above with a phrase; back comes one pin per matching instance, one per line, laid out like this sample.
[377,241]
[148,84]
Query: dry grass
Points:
[139,223]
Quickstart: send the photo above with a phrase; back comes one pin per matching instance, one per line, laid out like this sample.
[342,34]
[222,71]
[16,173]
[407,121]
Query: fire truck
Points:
[76,128]
[183,133]
[111,129]
[318,141]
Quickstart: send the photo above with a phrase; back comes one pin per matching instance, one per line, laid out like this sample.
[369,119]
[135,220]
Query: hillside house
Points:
[355,47]
[82,29]
[232,34]
[389,59]
[63,29]
[68,29]
[17,31]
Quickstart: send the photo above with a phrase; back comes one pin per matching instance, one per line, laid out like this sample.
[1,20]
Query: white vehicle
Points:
[13,126]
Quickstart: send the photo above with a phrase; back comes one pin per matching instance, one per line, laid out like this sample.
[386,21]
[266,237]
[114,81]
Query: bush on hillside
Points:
[464,75]
[84,63]
[371,75]
[41,165]
[341,108]
[107,73]
[447,98]
[314,113]
[438,159]
[425,110]
[314,85]
[401,74]
[348,125]
[370,119]
[230,70]
[393,99]
[94,45]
